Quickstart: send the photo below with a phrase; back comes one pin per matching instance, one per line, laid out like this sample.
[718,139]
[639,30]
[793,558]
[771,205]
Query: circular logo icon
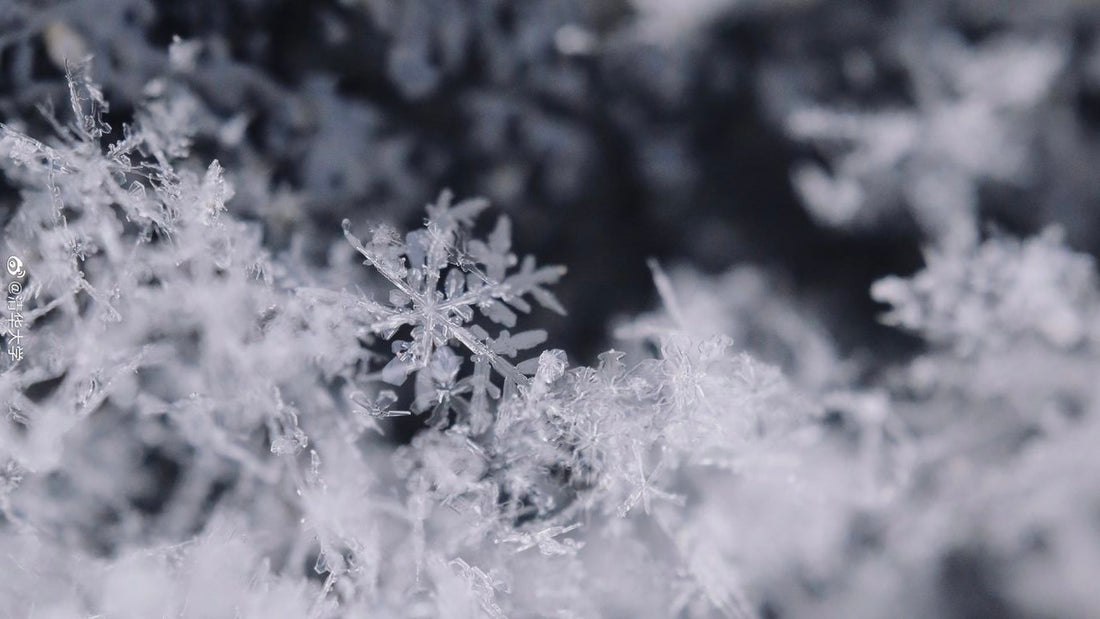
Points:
[15,267]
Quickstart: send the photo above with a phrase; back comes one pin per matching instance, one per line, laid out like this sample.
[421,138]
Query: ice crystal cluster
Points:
[247,387]
[161,334]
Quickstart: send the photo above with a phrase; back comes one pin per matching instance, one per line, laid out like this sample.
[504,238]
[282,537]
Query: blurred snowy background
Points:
[891,206]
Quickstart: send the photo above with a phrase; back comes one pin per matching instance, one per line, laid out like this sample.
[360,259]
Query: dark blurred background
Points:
[825,141]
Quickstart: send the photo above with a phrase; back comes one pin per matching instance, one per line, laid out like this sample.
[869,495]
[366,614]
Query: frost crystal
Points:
[442,279]
[220,414]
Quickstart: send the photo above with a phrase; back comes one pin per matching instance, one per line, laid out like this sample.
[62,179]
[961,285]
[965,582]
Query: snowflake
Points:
[441,280]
